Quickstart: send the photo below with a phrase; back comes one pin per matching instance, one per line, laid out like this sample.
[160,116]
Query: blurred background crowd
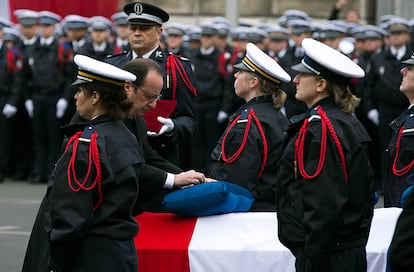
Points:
[34,104]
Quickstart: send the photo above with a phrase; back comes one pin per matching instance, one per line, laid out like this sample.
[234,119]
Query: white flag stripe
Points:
[244,242]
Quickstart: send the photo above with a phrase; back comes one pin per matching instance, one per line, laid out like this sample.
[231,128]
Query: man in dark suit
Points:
[145,29]
[157,176]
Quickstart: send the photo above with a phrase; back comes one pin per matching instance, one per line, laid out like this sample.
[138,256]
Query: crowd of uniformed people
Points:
[37,69]
[37,99]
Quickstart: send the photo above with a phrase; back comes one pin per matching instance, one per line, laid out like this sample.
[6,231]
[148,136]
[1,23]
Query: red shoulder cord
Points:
[243,144]
[405,169]
[175,66]
[10,61]
[93,158]
[300,146]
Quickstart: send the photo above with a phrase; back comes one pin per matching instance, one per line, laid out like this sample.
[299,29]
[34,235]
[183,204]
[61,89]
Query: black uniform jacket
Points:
[10,75]
[395,185]
[318,214]
[184,116]
[151,181]
[401,250]
[245,170]
[70,216]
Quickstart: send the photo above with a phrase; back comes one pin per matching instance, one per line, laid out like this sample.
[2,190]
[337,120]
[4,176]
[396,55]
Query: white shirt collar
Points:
[99,48]
[146,55]
[207,51]
[46,41]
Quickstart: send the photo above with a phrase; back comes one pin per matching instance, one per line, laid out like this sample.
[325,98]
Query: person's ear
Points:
[321,85]
[128,88]
[95,97]
[254,81]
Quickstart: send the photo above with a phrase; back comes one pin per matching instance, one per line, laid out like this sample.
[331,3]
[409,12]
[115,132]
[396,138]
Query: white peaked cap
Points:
[92,70]
[258,62]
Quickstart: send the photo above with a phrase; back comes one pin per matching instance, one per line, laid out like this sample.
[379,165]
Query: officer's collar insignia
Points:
[158,54]
[138,9]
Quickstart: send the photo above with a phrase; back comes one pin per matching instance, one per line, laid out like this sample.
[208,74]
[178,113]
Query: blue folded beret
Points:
[208,199]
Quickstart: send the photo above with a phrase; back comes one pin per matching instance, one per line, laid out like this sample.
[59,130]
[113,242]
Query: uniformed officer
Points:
[325,184]
[120,20]
[299,29]
[77,30]
[252,144]
[212,89]
[94,184]
[382,98]
[76,27]
[145,28]
[10,92]
[175,39]
[400,152]
[46,82]
[99,47]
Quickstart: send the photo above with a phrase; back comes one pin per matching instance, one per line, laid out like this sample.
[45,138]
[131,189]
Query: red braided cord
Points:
[300,146]
[184,76]
[10,61]
[265,148]
[238,152]
[405,169]
[93,158]
[336,141]
[236,155]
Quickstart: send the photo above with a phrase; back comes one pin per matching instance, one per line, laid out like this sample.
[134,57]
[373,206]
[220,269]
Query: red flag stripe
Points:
[162,242]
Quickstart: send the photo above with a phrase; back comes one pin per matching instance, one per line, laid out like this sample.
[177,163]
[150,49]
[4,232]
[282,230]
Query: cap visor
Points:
[408,61]
[142,22]
[301,68]
[241,66]
[79,82]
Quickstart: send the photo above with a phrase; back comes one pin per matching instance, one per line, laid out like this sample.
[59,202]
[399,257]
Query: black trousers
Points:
[353,259]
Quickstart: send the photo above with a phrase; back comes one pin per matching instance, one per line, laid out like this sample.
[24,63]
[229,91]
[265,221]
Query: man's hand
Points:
[190,177]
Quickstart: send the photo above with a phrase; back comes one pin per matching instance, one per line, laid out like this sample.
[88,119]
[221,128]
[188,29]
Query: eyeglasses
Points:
[149,96]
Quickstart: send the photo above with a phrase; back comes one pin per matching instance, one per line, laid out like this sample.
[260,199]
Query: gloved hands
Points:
[373,115]
[28,104]
[221,117]
[168,126]
[61,106]
[9,110]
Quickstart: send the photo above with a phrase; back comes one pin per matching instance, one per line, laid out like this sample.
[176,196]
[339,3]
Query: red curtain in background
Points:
[87,8]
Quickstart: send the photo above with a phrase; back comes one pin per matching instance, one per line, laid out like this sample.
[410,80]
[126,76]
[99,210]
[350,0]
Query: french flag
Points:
[235,242]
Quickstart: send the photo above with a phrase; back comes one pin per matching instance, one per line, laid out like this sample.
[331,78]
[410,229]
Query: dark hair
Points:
[140,67]
[114,98]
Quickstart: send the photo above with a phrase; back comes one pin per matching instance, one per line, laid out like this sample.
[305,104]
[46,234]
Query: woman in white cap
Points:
[94,185]
[252,143]
[325,193]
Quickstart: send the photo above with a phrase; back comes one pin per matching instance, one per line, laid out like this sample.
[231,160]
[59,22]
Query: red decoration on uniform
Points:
[75,185]
[300,146]
[405,169]
[236,155]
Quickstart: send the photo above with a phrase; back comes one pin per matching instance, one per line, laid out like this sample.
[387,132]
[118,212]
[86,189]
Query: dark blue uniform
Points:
[10,93]
[255,167]
[398,161]
[325,220]
[184,117]
[46,81]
